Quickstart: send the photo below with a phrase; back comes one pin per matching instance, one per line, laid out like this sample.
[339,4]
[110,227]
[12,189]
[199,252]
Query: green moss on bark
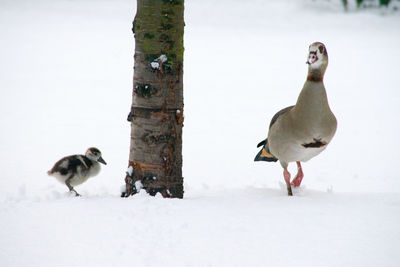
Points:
[158,28]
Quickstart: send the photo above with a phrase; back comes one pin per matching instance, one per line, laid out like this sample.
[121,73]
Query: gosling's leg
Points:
[68,183]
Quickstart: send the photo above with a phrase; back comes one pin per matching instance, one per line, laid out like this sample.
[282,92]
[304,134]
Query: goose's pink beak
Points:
[312,57]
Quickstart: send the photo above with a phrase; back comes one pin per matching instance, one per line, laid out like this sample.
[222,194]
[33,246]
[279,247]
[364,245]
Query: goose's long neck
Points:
[316,75]
[313,95]
[312,100]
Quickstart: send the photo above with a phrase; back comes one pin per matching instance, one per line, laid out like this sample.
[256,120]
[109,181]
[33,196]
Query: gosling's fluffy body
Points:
[76,169]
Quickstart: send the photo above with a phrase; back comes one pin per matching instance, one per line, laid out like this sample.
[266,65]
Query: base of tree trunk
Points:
[168,186]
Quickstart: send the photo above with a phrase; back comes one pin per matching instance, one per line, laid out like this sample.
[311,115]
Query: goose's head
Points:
[317,59]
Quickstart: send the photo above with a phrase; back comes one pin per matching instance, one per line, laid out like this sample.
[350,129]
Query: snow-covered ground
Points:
[66,84]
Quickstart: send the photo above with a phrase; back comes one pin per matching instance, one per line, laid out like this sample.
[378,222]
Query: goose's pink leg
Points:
[299,176]
[286,175]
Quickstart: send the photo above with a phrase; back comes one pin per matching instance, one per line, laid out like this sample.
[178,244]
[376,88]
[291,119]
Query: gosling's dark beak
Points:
[101,160]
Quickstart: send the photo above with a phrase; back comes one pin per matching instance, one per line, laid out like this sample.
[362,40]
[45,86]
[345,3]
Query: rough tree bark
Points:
[156,116]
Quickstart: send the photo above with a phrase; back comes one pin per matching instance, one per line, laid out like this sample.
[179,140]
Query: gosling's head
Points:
[95,155]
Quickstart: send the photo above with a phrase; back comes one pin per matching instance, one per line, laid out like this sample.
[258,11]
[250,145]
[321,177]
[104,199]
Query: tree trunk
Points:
[156,116]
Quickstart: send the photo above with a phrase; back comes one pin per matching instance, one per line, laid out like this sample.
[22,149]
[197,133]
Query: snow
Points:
[155,65]
[138,185]
[156,62]
[206,229]
[163,58]
[130,171]
[66,83]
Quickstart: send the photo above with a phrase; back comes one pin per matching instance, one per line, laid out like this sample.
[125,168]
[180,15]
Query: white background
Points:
[66,83]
